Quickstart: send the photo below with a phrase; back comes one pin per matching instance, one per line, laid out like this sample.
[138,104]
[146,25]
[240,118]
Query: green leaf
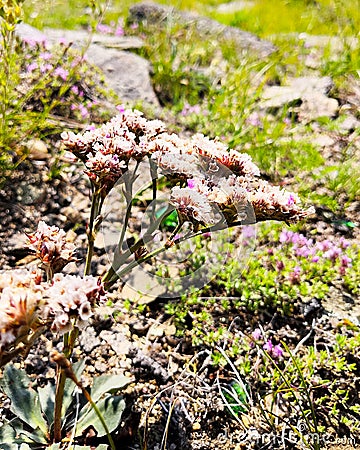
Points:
[25,402]
[111,409]
[8,434]
[14,433]
[107,383]
[47,401]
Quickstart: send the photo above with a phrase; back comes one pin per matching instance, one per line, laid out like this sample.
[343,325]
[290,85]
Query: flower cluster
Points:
[107,150]
[71,297]
[225,183]
[21,296]
[51,247]
[28,305]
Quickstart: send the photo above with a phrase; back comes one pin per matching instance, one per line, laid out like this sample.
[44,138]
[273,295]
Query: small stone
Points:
[37,150]
[232,7]
[323,140]
[88,339]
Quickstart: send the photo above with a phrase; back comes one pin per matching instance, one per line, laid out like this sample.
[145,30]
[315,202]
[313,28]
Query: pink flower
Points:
[119,31]
[61,72]
[45,56]
[31,67]
[268,346]
[45,68]
[256,334]
[275,352]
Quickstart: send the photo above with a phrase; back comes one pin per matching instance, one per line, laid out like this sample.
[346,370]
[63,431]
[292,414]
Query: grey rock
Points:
[28,33]
[349,124]
[79,38]
[154,13]
[118,342]
[127,74]
[323,140]
[317,105]
[305,95]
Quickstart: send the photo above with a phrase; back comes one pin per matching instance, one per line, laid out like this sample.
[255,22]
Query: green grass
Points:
[267,17]
[332,17]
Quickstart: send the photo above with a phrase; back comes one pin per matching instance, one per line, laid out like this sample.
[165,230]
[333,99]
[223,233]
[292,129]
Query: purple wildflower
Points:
[268,346]
[31,67]
[277,351]
[191,183]
[61,72]
[256,334]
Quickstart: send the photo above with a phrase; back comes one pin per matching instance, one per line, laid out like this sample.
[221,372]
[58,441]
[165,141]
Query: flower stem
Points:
[94,213]
[69,342]
[121,258]
[66,369]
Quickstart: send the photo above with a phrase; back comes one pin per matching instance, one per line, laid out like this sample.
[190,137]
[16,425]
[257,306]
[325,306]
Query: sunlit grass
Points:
[266,17]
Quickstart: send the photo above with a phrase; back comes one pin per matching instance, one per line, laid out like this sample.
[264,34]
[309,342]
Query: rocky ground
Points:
[175,400]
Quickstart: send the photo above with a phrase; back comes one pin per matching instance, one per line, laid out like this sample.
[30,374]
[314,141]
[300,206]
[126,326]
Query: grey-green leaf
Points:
[25,402]
[47,401]
[8,438]
[111,409]
[107,383]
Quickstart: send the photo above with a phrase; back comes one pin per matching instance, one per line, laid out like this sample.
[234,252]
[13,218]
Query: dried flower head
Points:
[20,300]
[238,163]
[51,247]
[192,206]
[29,306]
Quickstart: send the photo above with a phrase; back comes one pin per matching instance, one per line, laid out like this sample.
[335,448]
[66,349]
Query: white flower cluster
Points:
[51,247]
[107,150]
[70,296]
[27,304]
[223,183]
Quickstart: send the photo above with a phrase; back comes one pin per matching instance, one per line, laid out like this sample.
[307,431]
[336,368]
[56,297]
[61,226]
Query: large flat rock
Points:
[154,13]
[308,96]
[127,74]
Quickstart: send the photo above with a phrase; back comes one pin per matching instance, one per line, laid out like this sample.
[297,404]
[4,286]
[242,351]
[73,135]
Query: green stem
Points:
[64,364]
[129,182]
[153,174]
[7,50]
[69,343]
[121,258]
[156,252]
[96,204]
